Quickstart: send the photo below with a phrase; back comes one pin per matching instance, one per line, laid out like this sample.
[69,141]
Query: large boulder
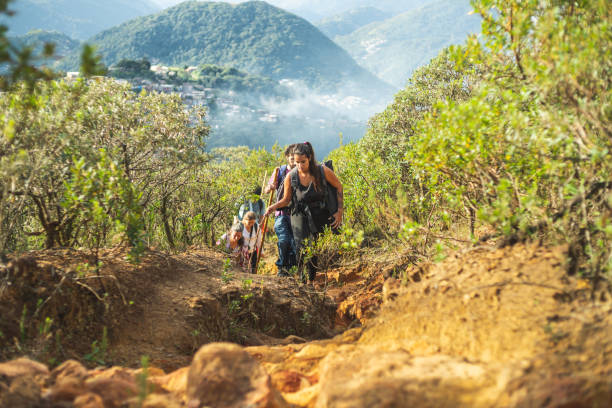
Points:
[20,383]
[224,375]
[22,367]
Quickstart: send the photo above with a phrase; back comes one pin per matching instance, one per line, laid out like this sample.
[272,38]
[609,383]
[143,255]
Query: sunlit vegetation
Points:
[505,137]
[508,134]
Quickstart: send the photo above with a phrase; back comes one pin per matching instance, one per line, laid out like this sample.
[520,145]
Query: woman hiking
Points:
[306,191]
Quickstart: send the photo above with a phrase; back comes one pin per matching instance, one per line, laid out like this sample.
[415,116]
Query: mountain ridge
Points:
[349,21]
[79,19]
[393,52]
[253,36]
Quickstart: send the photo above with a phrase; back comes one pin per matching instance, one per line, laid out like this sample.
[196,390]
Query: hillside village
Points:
[274,113]
[218,101]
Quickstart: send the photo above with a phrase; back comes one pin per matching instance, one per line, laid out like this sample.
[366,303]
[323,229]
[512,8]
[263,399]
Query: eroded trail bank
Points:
[484,328]
[164,307]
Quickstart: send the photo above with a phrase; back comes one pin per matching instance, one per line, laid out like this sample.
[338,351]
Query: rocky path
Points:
[483,328]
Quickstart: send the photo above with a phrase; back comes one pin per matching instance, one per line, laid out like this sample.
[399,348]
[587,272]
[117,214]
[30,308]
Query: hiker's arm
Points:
[332,179]
[272,182]
[286,197]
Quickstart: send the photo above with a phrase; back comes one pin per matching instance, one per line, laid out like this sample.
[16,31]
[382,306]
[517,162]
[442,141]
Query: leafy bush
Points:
[52,140]
[509,133]
[530,151]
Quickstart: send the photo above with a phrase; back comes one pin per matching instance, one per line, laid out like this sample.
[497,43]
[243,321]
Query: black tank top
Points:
[307,195]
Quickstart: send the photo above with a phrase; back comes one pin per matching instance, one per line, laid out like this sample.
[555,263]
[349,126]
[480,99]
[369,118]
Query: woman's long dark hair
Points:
[305,149]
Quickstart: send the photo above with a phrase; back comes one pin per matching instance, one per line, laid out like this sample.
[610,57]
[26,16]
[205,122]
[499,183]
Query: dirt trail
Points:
[164,307]
[485,327]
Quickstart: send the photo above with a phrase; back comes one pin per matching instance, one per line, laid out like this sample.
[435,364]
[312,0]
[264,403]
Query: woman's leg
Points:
[321,221]
[286,255]
[299,226]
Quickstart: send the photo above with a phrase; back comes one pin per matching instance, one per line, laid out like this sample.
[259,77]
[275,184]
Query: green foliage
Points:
[530,151]
[91,63]
[367,179]
[102,201]
[382,190]
[128,69]
[98,349]
[16,62]
[213,76]
[144,388]
[330,249]
[152,149]
[209,76]
[510,132]
[226,274]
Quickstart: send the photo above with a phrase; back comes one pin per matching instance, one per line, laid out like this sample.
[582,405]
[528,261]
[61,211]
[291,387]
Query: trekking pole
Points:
[265,223]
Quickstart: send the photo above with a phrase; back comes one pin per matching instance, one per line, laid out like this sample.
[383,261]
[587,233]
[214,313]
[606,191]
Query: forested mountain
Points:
[255,37]
[349,21]
[37,38]
[78,19]
[317,10]
[394,48]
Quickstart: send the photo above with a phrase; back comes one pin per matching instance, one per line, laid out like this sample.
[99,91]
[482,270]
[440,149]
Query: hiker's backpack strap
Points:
[282,172]
[280,178]
[295,180]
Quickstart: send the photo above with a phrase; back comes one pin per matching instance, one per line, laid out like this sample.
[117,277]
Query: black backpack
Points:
[331,193]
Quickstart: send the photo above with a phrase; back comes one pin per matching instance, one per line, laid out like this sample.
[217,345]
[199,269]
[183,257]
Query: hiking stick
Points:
[265,223]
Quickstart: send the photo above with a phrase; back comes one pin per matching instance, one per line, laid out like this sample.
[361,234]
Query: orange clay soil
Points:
[484,327]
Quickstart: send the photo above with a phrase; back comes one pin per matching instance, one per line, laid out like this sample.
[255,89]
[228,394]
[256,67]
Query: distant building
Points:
[159,69]
[72,76]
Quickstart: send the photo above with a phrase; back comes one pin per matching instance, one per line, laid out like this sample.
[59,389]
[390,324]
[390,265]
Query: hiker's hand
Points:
[269,211]
[337,219]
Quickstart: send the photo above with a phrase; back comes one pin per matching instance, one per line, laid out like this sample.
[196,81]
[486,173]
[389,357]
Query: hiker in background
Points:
[307,187]
[232,242]
[257,206]
[242,242]
[252,241]
[282,224]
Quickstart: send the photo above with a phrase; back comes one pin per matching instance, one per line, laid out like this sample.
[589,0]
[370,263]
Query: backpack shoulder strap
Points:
[294,179]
